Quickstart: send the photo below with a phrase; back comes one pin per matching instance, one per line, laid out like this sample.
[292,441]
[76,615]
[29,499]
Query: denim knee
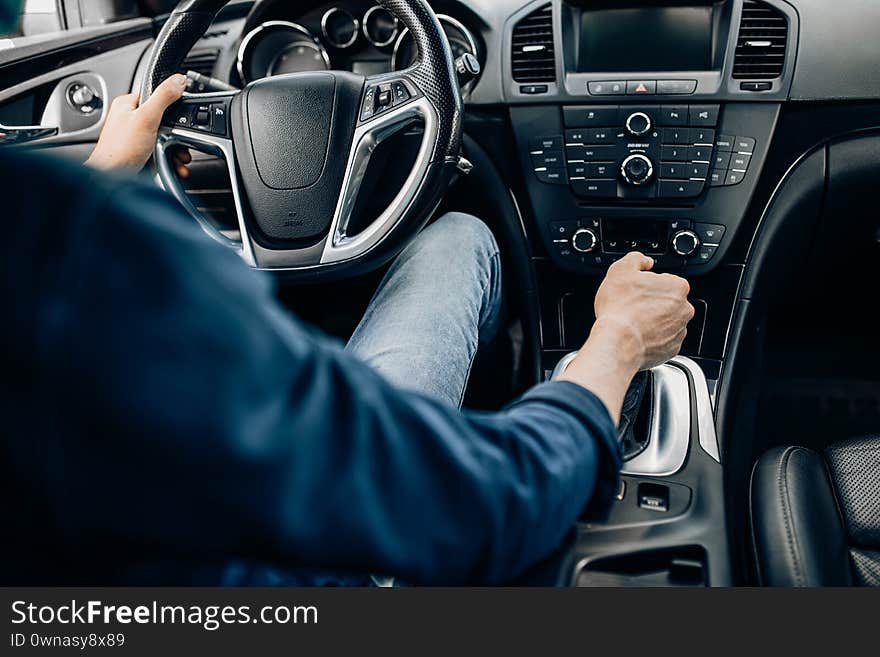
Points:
[457,235]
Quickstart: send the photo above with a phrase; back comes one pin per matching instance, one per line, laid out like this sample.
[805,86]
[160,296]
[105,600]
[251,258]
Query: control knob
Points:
[685,243]
[584,240]
[637,169]
[638,123]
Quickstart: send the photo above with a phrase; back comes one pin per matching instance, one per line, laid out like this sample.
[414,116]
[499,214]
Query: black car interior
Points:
[737,142]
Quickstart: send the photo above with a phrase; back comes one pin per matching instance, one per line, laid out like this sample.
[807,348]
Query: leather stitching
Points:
[791,535]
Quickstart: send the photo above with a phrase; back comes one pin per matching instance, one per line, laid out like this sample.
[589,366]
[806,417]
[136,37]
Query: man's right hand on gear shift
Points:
[641,320]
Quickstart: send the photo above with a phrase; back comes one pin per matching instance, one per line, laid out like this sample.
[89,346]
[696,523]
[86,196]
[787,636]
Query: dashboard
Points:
[352,35]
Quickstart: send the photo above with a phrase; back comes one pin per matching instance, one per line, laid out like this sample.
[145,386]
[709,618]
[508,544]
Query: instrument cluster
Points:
[359,36]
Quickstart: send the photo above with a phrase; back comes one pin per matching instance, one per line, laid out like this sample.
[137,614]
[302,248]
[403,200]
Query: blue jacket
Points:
[163,415]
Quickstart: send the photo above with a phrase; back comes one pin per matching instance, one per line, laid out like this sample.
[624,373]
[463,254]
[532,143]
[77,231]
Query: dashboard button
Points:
[549,159]
[552,143]
[674,153]
[721,161]
[740,162]
[705,254]
[562,229]
[575,137]
[697,170]
[601,170]
[673,170]
[701,154]
[744,145]
[600,136]
[676,136]
[709,234]
[704,115]
[680,188]
[676,87]
[599,153]
[673,115]
[716,177]
[578,170]
[641,87]
[589,116]
[601,188]
[533,89]
[756,86]
[551,175]
[733,178]
[703,136]
[725,143]
[607,88]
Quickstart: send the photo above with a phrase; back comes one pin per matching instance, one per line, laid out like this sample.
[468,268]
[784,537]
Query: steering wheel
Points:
[298,146]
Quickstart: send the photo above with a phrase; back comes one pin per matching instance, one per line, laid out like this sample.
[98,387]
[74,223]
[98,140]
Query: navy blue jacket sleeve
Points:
[192,416]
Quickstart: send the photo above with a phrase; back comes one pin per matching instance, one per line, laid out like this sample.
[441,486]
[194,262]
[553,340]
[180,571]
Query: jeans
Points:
[439,301]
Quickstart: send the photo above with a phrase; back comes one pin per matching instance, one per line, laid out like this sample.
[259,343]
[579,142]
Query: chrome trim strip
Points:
[705,414]
[366,138]
[22,134]
[669,436]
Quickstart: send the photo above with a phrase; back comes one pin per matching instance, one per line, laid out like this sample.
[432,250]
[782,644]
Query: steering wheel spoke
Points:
[390,105]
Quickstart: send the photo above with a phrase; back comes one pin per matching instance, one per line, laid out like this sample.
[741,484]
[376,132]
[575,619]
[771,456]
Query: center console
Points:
[652,135]
[645,125]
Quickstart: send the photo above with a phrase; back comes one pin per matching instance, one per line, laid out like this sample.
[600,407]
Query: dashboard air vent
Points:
[760,47]
[201,61]
[533,53]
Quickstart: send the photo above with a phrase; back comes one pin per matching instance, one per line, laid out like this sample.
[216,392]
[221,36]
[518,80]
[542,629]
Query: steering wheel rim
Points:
[278,183]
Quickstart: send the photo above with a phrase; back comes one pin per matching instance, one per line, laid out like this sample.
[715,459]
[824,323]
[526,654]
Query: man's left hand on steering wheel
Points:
[298,147]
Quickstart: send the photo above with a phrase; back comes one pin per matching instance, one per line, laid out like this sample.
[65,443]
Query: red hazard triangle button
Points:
[641,87]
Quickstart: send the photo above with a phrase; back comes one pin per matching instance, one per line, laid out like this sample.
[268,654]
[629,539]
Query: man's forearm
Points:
[606,365]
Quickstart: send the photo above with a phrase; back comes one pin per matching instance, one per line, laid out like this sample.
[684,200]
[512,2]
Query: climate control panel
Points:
[600,241]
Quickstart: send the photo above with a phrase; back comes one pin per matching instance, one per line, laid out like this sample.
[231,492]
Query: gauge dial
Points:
[381,27]
[279,47]
[340,28]
[299,56]
[461,41]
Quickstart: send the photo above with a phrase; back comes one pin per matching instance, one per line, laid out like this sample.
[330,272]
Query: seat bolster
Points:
[798,533]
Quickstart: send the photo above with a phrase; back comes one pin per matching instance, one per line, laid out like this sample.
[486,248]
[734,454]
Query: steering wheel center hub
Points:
[289,132]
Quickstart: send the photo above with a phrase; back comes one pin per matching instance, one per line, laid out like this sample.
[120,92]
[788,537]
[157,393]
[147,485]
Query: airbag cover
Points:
[290,129]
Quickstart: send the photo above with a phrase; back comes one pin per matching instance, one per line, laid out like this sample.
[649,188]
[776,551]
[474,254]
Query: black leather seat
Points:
[816,517]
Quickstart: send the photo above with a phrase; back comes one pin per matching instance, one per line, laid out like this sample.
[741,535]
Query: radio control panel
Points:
[634,152]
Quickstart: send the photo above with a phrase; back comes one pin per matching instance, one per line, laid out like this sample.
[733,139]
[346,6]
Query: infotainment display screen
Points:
[645,39]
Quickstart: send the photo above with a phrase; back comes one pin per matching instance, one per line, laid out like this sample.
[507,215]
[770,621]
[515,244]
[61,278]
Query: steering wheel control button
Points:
[379,98]
[607,88]
[584,240]
[401,93]
[641,87]
[638,123]
[704,115]
[637,169]
[685,243]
